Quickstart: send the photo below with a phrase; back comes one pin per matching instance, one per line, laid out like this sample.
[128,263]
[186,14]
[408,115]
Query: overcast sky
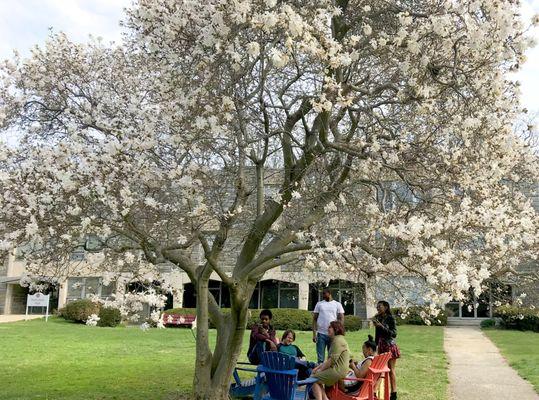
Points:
[24,23]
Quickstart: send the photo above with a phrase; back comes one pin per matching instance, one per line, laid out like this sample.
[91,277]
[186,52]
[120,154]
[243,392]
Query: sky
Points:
[25,23]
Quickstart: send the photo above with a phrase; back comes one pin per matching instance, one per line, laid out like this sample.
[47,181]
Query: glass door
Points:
[471,307]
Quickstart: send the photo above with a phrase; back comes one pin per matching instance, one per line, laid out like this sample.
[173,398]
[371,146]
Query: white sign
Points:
[38,300]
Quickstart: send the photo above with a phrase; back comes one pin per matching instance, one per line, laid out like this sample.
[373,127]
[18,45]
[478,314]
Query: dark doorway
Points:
[189,296]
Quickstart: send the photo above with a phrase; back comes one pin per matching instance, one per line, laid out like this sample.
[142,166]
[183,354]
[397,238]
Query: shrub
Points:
[352,323]
[79,310]
[488,323]
[520,318]
[283,318]
[286,318]
[109,316]
[413,316]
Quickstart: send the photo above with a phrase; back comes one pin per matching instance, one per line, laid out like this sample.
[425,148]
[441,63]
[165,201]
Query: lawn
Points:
[64,361]
[521,350]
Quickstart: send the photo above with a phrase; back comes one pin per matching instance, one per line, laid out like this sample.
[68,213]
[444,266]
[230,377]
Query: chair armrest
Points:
[357,379]
[262,368]
[246,369]
[308,381]
[379,370]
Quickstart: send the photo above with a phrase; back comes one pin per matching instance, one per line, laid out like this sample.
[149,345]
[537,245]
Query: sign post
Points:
[38,300]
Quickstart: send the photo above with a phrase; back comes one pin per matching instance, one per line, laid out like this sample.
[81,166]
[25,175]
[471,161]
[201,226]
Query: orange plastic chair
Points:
[378,370]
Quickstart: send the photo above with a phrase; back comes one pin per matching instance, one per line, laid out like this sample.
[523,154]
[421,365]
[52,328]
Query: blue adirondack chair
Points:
[242,388]
[277,379]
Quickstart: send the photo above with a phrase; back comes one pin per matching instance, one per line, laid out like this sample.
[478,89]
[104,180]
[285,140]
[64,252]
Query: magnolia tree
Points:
[386,127]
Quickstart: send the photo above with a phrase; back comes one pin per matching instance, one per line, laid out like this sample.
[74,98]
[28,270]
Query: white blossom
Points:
[92,320]
[253,49]
[278,58]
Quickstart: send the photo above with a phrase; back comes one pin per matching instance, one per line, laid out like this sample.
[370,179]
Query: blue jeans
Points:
[256,353]
[304,368]
[322,343]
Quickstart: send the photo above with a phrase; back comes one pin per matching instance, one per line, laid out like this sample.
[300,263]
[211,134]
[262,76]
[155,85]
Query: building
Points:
[282,287]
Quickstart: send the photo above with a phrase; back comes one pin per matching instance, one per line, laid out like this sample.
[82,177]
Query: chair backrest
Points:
[379,362]
[281,375]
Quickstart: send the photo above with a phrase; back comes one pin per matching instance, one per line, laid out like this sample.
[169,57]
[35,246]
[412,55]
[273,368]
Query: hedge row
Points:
[80,310]
[283,318]
[488,323]
[413,317]
[519,318]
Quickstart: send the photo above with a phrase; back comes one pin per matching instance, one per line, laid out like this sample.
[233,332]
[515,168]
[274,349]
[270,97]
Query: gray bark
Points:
[213,371]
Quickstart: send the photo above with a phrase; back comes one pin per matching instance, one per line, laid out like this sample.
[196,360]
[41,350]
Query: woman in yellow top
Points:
[336,366]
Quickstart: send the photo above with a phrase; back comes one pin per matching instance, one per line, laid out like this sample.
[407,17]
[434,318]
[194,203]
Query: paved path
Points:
[478,371]
[17,317]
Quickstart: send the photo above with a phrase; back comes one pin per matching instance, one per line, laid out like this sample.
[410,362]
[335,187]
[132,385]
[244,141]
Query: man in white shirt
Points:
[325,311]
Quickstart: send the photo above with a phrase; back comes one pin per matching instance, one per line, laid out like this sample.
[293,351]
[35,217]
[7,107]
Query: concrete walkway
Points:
[478,371]
[17,317]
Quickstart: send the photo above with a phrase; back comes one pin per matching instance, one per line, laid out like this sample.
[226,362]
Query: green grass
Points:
[521,350]
[64,361]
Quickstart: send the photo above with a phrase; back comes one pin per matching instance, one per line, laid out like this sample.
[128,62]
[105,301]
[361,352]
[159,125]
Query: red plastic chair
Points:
[378,370]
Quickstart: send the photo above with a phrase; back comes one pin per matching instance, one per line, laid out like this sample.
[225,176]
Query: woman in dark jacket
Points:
[386,332]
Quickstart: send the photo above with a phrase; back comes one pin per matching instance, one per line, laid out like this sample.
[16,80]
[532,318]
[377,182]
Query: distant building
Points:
[282,287]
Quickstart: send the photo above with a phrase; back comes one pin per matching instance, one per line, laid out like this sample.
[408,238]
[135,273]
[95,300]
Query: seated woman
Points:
[360,369]
[336,366]
[286,347]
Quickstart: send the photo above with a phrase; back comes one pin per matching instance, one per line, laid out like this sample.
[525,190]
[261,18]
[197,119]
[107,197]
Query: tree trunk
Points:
[203,362]
[213,372]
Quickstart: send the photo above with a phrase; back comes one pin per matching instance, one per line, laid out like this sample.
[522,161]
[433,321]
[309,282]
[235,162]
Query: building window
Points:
[108,291]
[342,291]
[482,305]
[82,288]
[219,291]
[255,298]
[75,288]
[266,294]
[288,295]
[278,294]
[269,295]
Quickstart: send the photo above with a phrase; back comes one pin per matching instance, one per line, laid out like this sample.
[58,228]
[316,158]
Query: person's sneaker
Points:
[393,396]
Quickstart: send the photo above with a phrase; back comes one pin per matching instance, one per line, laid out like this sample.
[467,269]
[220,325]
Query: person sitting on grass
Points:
[262,338]
[336,366]
[360,369]
[286,347]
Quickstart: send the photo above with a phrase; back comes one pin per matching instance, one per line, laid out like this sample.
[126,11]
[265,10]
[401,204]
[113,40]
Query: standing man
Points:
[325,311]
